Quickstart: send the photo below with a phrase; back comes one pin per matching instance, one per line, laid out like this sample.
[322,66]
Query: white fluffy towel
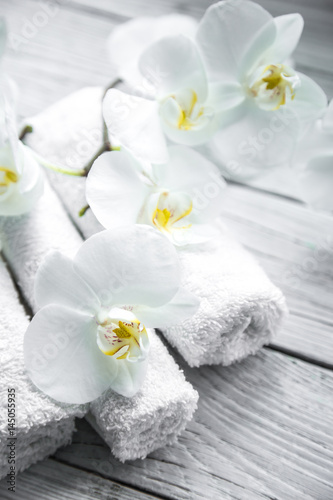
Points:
[32,426]
[241,310]
[160,411]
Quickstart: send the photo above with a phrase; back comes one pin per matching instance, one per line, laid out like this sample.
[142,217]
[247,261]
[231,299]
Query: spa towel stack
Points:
[41,425]
[155,416]
[241,310]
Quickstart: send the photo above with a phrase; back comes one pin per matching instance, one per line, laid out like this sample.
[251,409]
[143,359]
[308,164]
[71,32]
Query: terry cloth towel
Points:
[240,310]
[40,425]
[160,411]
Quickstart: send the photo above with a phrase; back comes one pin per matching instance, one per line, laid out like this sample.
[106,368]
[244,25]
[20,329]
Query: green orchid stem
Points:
[57,168]
[105,147]
[112,85]
[83,210]
[106,143]
[27,129]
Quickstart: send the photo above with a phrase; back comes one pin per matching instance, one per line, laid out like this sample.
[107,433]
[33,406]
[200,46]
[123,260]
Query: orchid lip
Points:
[183,111]
[169,212]
[8,177]
[273,86]
[120,334]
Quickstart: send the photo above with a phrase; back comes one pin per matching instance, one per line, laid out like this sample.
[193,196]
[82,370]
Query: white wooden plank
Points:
[295,246]
[62,56]
[51,480]
[263,430]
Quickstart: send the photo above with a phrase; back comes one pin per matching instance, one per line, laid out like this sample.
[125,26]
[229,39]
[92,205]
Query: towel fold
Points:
[40,425]
[132,427]
[241,310]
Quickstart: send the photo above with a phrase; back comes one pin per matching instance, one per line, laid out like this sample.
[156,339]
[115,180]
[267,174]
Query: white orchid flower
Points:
[91,333]
[129,40]
[245,51]
[21,179]
[313,162]
[183,108]
[180,199]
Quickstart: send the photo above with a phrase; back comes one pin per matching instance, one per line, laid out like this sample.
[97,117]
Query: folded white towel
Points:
[240,310]
[155,416]
[40,424]
[133,427]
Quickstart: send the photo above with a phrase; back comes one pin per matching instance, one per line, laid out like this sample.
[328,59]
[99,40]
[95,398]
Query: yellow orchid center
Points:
[189,113]
[120,334]
[182,110]
[7,176]
[171,210]
[277,85]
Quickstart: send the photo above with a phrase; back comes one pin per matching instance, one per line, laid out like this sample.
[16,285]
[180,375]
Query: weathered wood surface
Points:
[264,427]
[263,430]
[52,480]
[295,246]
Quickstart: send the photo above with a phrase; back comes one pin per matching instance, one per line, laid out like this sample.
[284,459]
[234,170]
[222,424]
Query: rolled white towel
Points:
[40,425]
[133,427]
[241,310]
[159,412]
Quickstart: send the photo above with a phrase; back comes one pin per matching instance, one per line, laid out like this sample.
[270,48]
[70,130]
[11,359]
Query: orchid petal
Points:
[226,31]
[223,96]
[173,64]
[310,101]
[191,172]
[130,377]
[3,37]
[114,189]
[27,190]
[288,32]
[183,305]
[56,282]
[328,118]
[205,130]
[135,123]
[62,357]
[129,40]
[193,235]
[133,265]
[316,182]
[259,140]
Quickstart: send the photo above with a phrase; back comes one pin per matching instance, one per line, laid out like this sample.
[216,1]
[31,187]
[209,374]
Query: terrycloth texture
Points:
[27,239]
[41,424]
[241,309]
[70,133]
[134,427]
[166,403]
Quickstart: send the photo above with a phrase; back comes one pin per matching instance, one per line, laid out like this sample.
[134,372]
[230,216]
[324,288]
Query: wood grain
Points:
[51,480]
[295,247]
[263,430]
[264,427]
